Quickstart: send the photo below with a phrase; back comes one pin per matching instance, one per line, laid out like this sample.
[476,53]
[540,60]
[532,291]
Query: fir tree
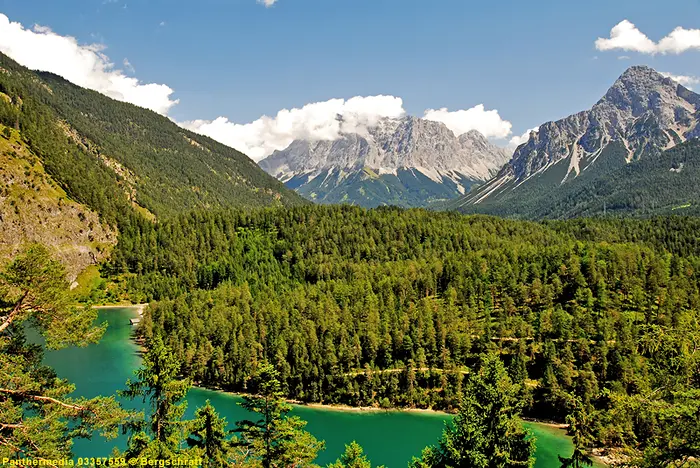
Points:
[157,384]
[353,457]
[209,436]
[580,431]
[487,432]
[276,439]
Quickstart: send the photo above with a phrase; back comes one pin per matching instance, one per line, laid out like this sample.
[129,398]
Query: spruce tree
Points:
[208,435]
[158,385]
[486,433]
[581,434]
[353,457]
[276,439]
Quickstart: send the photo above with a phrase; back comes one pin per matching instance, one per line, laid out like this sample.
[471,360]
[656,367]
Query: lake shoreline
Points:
[138,307]
[601,456]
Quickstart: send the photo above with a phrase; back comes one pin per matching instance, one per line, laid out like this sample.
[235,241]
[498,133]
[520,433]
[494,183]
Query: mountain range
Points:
[404,161]
[78,168]
[642,132]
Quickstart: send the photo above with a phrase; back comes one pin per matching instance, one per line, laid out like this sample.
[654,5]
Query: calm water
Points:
[389,438]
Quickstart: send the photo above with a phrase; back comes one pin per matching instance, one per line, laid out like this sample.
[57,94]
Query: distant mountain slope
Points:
[405,162]
[110,154]
[643,114]
[661,183]
[33,208]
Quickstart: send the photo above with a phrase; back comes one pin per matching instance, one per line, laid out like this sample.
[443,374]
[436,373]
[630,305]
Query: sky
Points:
[256,74]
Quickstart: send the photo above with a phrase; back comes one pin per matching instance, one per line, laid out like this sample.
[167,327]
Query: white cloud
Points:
[518,140]
[329,120]
[685,80]
[267,3]
[317,121]
[85,65]
[680,40]
[488,122]
[623,57]
[626,36]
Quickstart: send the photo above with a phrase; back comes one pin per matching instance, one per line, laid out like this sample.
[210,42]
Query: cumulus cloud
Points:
[626,36]
[329,120]
[488,122]
[685,80]
[518,140]
[267,3]
[316,121]
[88,66]
[40,48]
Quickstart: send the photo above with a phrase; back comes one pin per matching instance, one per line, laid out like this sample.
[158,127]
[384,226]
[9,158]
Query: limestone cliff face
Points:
[33,208]
[643,111]
[392,147]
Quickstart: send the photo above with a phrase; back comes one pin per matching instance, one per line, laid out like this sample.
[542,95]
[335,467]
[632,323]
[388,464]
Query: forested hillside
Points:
[111,155]
[393,308]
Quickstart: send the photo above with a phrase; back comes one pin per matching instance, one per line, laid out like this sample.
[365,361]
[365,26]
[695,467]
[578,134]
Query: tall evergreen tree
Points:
[580,431]
[276,439]
[38,419]
[157,384]
[487,432]
[209,436]
[353,457]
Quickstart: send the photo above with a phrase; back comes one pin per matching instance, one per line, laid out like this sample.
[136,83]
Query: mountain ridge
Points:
[396,153]
[642,114]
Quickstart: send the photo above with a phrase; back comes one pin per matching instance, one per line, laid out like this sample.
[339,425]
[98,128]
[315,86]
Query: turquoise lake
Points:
[390,438]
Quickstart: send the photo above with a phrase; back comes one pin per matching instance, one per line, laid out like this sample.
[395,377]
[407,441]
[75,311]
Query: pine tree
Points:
[208,435]
[276,439]
[486,433]
[37,417]
[156,383]
[353,457]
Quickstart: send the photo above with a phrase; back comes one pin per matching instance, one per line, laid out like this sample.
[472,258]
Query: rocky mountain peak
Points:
[641,89]
[416,151]
[643,110]
[392,144]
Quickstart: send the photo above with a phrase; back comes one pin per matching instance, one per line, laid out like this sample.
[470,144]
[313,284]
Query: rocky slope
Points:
[641,115]
[33,208]
[95,146]
[76,167]
[407,161]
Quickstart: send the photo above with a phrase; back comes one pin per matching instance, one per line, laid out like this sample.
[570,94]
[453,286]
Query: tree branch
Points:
[15,311]
[10,426]
[43,398]
[7,443]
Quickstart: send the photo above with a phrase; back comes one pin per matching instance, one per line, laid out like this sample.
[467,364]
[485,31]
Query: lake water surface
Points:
[389,438]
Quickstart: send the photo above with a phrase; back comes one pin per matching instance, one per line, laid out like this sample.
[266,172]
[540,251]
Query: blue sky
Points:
[531,61]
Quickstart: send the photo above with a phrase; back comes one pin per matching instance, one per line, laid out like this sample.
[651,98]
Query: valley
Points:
[426,291]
